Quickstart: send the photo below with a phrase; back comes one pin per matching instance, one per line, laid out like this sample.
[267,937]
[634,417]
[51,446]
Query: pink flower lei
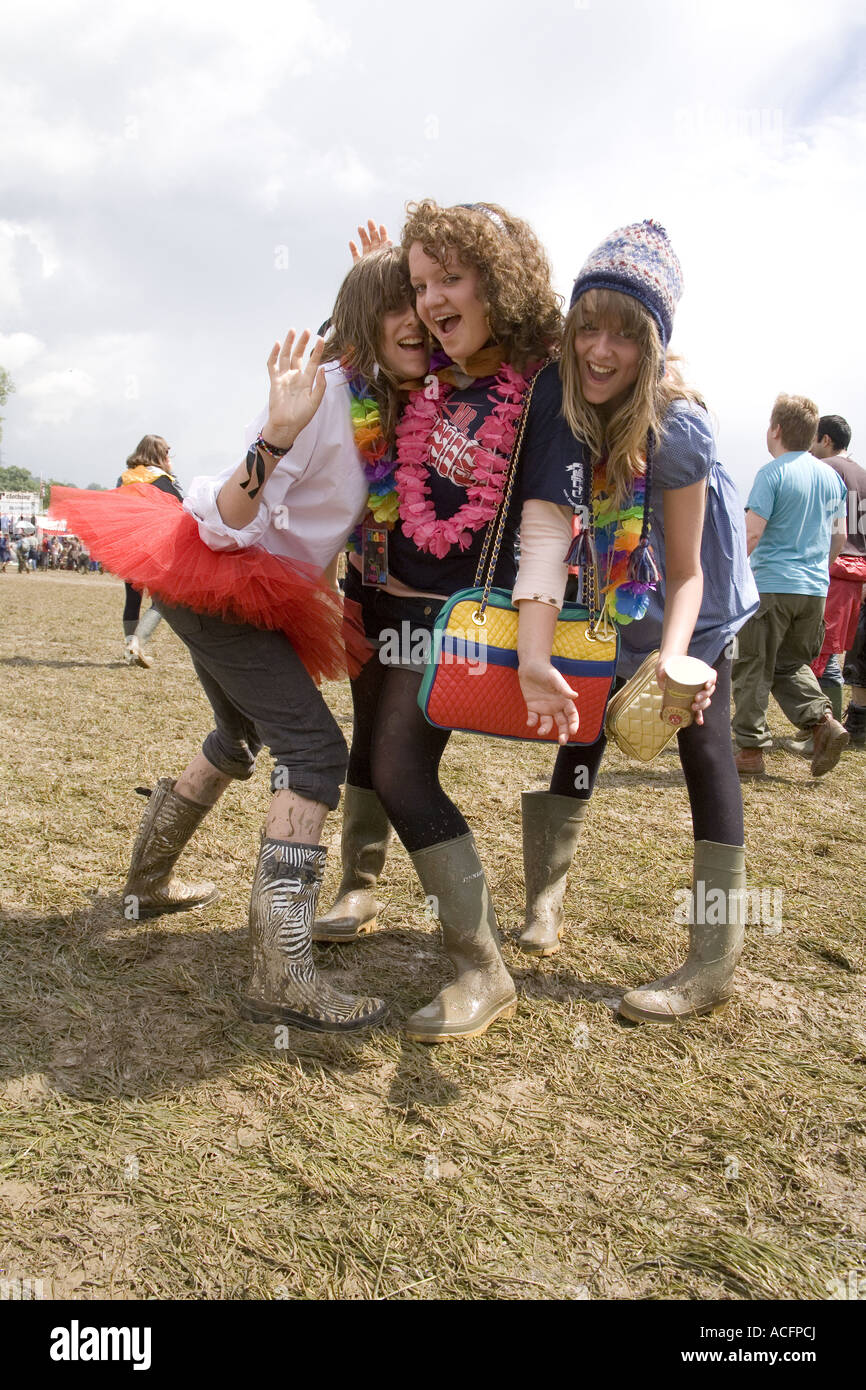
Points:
[495,438]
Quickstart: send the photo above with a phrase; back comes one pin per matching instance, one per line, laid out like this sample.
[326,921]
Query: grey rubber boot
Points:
[453,879]
[706,979]
[284,985]
[147,624]
[552,826]
[166,826]
[834,692]
[363,847]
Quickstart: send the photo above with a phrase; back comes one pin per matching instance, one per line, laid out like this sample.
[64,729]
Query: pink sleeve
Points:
[545,535]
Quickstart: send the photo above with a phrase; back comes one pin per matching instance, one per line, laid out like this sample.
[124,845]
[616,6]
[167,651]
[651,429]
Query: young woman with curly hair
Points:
[616,436]
[482,289]
[239,575]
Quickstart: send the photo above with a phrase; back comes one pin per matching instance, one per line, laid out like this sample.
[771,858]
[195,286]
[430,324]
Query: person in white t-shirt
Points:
[239,573]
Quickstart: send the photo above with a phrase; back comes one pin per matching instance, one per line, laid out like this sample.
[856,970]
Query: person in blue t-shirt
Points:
[795,528]
[645,447]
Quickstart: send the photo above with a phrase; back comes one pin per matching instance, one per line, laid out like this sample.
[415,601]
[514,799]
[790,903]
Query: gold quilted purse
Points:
[633,718]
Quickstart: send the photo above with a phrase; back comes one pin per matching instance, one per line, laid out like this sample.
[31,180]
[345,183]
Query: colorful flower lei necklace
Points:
[617,536]
[382,501]
[496,438]
[617,545]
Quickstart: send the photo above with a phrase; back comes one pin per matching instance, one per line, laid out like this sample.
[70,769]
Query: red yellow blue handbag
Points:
[471,680]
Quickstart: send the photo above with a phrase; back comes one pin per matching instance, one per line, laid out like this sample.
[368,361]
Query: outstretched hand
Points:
[550,701]
[702,699]
[296,390]
[372,238]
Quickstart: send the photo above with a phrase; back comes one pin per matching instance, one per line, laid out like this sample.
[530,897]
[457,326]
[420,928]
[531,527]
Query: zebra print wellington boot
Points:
[285,986]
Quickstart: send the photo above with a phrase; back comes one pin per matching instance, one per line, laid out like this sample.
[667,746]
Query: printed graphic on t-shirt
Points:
[572,495]
[452,453]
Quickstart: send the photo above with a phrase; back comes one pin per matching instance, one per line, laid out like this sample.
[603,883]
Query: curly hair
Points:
[623,435]
[376,285]
[524,314]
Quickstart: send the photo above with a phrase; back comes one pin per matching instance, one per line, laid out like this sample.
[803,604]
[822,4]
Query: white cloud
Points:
[16,239]
[167,152]
[17,349]
[57,395]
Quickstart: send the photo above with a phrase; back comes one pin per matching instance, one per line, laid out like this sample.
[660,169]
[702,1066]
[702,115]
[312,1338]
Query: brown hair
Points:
[376,285]
[150,452]
[623,435]
[798,418]
[513,271]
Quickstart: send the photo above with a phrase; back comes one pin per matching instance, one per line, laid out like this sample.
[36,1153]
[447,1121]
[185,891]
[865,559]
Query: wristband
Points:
[271,449]
[253,461]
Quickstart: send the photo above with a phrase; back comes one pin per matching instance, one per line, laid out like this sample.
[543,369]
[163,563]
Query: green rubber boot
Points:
[705,981]
[834,693]
[552,826]
[364,847]
[453,879]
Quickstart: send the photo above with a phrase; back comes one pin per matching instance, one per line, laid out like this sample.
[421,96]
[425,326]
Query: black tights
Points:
[397,754]
[707,759]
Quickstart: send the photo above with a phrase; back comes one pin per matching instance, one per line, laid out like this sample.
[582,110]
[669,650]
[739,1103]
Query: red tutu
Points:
[146,537]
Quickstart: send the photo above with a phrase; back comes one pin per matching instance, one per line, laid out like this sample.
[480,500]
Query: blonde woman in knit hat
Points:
[612,432]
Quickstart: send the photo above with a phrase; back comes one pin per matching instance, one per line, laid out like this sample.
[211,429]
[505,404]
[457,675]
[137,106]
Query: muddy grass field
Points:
[152,1144]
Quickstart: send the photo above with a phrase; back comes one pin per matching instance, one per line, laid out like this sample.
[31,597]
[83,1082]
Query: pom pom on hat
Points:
[637,260]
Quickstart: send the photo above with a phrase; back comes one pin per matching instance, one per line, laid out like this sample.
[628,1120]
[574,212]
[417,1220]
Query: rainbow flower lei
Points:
[382,501]
[496,438]
[617,534]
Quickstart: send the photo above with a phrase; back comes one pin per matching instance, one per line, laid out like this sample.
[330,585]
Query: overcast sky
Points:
[180,181]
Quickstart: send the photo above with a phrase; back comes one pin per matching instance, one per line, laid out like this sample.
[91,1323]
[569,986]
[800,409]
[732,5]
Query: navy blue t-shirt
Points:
[552,465]
[452,455]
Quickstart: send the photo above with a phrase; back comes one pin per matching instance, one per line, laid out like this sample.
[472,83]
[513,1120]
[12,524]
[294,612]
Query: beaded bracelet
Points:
[253,463]
[271,449]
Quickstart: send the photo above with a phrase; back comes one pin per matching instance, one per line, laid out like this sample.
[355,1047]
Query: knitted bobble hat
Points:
[637,260]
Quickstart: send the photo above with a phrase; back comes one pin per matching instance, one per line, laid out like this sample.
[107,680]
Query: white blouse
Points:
[314,498]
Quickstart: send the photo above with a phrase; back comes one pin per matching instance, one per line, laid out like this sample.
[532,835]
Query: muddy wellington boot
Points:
[284,985]
[452,877]
[168,823]
[552,826]
[705,981]
[364,847]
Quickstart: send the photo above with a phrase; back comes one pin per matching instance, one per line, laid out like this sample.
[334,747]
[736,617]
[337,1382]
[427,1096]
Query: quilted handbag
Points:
[471,681]
[633,718]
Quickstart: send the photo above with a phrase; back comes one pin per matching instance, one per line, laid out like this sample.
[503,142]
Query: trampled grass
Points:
[152,1144]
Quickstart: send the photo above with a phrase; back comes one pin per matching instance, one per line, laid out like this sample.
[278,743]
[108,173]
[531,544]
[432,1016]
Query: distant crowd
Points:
[51,553]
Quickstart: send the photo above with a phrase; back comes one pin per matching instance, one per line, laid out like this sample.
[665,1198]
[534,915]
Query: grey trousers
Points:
[774,652]
[262,696]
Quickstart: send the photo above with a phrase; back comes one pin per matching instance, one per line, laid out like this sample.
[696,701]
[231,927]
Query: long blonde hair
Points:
[376,285]
[623,435]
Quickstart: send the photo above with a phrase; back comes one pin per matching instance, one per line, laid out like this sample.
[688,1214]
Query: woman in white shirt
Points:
[238,574]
